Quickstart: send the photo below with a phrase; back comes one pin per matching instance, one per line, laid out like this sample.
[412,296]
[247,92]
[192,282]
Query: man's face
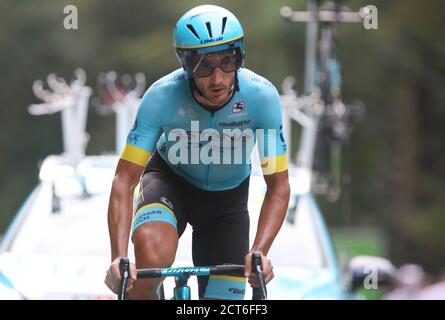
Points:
[217,87]
[215,75]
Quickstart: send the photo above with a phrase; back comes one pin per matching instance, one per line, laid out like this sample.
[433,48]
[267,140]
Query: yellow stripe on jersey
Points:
[274,164]
[231,278]
[135,155]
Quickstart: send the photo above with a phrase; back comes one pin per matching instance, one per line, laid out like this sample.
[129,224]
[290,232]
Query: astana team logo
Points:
[239,107]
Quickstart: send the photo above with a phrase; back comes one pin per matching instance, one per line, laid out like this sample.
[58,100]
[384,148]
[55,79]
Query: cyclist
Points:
[198,170]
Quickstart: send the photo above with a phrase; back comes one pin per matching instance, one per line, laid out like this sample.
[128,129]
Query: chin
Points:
[220,98]
[219,101]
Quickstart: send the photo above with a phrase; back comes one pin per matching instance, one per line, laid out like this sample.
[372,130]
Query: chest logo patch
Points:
[239,107]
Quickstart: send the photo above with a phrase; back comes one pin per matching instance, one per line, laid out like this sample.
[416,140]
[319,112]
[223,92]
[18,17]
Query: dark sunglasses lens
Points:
[203,66]
[203,70]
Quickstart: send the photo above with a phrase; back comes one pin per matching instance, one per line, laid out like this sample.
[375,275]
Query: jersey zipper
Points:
[210,166]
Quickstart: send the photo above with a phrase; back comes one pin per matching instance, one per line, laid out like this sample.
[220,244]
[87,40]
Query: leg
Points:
[157,225]
[201,248]
[221,236]
[230,244]
[155,245]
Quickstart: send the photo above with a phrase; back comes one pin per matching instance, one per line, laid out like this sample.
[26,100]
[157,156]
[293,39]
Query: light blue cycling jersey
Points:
[210,149]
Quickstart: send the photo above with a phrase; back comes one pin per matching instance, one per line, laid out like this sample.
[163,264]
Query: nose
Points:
[217,75]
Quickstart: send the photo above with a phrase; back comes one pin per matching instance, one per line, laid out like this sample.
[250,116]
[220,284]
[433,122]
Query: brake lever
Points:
[124,268]
[257,267]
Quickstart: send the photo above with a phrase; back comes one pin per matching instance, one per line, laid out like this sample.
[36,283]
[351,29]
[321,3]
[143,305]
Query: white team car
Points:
[57,247]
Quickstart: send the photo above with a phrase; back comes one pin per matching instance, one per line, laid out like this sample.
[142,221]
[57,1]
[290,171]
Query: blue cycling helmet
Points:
[205,29]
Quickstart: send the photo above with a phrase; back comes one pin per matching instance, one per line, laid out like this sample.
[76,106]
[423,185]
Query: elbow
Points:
[127,176]
[122,185]
[281,190]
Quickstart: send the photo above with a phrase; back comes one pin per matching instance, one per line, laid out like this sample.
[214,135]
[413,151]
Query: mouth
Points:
[217,91]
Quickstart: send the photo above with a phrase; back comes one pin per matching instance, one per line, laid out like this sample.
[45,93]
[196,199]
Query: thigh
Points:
[226,241]
[220,223]
[159,200]
[230,239]
[159,219]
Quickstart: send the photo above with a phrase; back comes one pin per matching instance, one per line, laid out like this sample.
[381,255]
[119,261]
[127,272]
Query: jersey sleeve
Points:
[269,132]
[142,138]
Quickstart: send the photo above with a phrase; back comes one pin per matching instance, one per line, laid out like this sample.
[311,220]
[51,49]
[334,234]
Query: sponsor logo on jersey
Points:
[181,112]
[234,124]
[133,138]
[163,148]
[282,138]
[239,107]
[237,291]
[167,202]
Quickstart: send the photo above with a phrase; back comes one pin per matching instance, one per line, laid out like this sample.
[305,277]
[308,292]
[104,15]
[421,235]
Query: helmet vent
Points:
[224,20]
[209,29]
[190,27]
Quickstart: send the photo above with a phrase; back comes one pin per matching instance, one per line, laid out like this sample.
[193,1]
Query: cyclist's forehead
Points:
[221,54]
[212,56]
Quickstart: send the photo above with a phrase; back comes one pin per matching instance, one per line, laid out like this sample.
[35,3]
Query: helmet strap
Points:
[195,87]
[236,84]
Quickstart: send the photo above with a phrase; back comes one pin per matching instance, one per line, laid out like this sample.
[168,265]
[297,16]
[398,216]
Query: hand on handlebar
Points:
[267,270]
[113,276]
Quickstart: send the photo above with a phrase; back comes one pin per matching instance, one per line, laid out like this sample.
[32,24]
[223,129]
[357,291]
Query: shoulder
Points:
[163,94]
[260,91]
[168,86]
[252,83]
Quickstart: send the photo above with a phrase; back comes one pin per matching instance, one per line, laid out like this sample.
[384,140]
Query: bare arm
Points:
[273,212]
[120,210]
[120,206]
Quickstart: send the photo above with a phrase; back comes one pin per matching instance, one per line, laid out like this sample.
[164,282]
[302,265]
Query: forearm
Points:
[273,212]
[119,219]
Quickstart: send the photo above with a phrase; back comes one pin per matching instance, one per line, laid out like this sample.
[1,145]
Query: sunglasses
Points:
[202,65]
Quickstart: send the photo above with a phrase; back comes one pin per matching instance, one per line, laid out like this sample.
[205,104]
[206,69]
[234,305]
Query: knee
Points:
[154,247]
